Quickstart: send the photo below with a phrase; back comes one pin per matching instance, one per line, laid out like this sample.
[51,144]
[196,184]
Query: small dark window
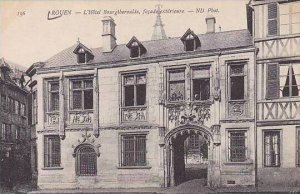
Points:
[133,150]
[81,56]
[86,161]
[134,50]
[134,90]
[190,43]
[237,82]
[272,148]
[237,146]
[52,151]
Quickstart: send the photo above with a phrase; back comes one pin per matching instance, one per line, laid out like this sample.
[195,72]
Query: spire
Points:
[159,31]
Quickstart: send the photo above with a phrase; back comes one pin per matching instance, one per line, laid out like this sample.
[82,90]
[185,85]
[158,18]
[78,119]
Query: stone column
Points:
[61,125]
[96,104]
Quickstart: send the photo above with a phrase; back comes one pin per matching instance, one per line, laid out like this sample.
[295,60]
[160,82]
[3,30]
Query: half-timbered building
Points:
[276,32]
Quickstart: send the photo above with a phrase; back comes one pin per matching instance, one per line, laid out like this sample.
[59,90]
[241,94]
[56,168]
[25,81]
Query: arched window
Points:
[86,158]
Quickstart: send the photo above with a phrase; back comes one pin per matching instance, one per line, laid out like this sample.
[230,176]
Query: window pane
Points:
[54,101]
[272,11]
[128,152]
[87,161]
[134,52]
[129,95]
[88,99]
[52,151]
[201,89]
[76,84]
[129,80]
[54,86]
[140,148]
[284,8]
[272,148]
[237,88]
[201,72]
[176,91]
[236,69]
[134,150]
[296,28]
[177,75]
[81,57]
[284,29]
[77,100]
[141,79]
[141,94]
[88,84]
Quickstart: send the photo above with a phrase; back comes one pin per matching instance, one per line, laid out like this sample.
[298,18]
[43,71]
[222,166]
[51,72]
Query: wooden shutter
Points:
[272,19]
[272,81]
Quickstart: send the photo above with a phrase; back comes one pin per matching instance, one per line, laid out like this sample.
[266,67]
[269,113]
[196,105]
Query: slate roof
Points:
[16,70]
[157,48]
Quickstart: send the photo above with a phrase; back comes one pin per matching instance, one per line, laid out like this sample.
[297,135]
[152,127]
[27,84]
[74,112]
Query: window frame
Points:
[48,157]
[246,140]
[279,131]
[297,146]
[50,93]
[184,80]
[82,90]
[190,37]
[122,152]
[194,68]
[135,45]
[135,74]
[290,17]
[34,108]
[244,75]
[290,66]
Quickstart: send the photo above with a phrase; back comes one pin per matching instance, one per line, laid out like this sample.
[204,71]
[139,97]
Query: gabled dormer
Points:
[84,54]
[190,41]
[136,48]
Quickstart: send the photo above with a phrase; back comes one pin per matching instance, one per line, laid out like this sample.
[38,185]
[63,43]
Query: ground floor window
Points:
[52,151]
[133,150]
[237,146]
[272,148]
[86,161]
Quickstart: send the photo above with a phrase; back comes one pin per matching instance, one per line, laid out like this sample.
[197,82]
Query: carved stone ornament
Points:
[86,140]
[189,113]
[215,129]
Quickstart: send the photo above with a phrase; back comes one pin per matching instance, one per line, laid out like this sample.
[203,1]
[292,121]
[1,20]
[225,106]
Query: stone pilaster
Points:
[61,126]
[96,104]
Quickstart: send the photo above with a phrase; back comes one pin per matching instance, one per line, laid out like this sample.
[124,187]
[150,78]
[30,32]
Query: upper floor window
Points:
[272,148]
[83,53]
[133,150]
[237,82]
[53,96]
[201,83]
[52,151]
[134,89]
[81,58]
[82,94]
[135,50]
[237,146]
[176,85]
[272,19]
[283,80]
[3,131]
[289,18]
[6,132]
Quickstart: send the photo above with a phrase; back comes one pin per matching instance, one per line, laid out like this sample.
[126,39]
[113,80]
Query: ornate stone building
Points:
[118,116]
[14,130]
[276,31]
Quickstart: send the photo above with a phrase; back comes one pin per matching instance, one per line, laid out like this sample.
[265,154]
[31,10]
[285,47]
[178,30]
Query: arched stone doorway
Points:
[174,154]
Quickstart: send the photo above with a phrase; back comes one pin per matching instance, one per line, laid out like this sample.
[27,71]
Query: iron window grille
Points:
[237,146]
[86,161]
[272,148]
[133,150]
[52,151]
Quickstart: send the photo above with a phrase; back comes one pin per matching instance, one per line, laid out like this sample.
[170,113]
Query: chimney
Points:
[108,34]
[210,22]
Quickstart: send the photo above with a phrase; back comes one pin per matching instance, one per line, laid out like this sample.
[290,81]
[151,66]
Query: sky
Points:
[28,36]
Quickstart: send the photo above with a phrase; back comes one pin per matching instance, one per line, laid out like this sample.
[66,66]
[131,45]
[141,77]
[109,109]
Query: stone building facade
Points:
[15,133]
[276,32]
[118,116]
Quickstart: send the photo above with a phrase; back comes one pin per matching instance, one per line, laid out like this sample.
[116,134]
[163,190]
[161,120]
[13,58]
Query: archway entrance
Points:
[188,155]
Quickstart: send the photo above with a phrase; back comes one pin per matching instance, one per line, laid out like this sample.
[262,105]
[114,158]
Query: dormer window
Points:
[84,55]
[81,58]
[190,40]
[136,48]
